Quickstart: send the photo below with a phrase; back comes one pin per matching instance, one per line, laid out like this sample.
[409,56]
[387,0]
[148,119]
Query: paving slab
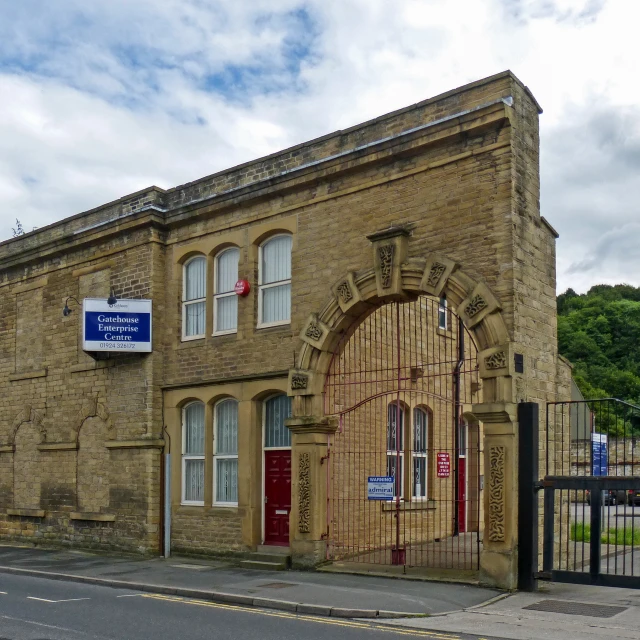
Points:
[324,590]
[513,618]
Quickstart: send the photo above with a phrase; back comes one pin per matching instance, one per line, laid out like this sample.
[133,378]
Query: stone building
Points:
[401,303]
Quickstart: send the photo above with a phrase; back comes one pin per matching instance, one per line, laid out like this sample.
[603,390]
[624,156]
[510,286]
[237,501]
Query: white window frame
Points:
[262,287]
[183,500]
[226,294]
[400,443]
[443,314]
[186,303]
[224,456]
[415,454]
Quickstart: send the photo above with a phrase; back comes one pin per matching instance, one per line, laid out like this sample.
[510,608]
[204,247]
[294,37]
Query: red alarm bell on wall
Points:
[242,288]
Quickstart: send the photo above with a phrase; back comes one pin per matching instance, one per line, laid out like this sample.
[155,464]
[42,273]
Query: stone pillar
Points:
[499,555]
[309,491]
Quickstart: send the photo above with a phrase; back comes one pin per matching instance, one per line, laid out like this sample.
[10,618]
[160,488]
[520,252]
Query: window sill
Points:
[201,510]
[186,343]
[224,334]
[27,375]
[422,505]
[26,513]
[92,516]
[447,333]
[7,448]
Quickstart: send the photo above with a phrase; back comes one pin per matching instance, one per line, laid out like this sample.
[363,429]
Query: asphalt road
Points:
[40,609]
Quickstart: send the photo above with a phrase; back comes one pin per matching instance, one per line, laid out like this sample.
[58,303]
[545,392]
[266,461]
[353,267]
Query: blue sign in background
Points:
[599,448]
[116,324]
[380,487]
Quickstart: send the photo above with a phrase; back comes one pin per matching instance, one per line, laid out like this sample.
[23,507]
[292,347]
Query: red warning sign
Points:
[443,465]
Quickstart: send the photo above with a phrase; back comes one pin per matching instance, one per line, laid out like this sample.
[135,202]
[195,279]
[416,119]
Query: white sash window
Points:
[225,459]
[193,454]
[225,301]
[419,452]
[274,301]
[395,445]
[194,291]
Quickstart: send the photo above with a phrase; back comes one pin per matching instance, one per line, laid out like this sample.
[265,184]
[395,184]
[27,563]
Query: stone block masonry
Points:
[81,439]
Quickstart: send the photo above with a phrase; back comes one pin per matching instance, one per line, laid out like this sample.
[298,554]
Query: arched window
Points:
[274,278]
[395,446]
[225,457]
[419,452]
[194,291]
[193,453]
[225,301]
[443,315]
[276,411]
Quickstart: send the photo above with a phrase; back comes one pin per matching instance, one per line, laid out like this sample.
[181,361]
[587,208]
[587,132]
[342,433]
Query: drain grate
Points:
[277,585]
[577,608]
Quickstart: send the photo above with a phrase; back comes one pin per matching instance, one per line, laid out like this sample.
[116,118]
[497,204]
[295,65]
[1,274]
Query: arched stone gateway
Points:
[403,297]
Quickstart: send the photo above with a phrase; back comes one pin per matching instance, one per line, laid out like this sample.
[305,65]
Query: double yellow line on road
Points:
[318,619]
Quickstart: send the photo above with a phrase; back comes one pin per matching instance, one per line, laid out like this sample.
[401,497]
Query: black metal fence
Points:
[592,492]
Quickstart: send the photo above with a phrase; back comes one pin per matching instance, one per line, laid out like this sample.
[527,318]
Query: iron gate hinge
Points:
[538,486]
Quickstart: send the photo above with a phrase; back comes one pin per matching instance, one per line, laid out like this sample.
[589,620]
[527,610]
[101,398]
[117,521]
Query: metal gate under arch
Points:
[402,384]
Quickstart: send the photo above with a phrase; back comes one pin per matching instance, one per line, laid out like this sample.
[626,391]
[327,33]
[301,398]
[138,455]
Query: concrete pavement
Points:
[513,618]
[337,595]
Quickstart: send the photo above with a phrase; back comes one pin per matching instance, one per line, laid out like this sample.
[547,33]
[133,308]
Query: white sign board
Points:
[123,327]
[380,487]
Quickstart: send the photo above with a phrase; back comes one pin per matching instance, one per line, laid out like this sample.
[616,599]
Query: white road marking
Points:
[56,601]
[130,595]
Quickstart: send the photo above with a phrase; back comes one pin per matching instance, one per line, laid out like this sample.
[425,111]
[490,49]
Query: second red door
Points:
[277,491]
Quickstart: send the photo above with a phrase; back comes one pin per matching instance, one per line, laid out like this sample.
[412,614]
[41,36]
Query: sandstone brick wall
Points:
[467,183]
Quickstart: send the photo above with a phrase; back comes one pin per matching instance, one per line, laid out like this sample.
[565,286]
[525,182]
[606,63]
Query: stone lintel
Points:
[312,424]
[135,444]
[93,516]
[58,446]
[495,412]
[27,513]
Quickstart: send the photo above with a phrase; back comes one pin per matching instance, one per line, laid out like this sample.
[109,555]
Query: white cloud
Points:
[102,99]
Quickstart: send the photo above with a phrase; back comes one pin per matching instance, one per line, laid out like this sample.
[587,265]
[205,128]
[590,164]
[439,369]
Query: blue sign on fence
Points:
[380,487]
[123,327]
[599,450]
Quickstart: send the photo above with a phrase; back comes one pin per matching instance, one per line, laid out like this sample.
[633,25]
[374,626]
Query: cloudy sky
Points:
[100,99]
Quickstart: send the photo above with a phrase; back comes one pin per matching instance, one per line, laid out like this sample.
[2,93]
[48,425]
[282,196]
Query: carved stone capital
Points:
[312,424]
[495,412]
[496,361]
[477,306]
[436,273]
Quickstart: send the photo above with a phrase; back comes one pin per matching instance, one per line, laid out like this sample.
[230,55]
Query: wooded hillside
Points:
[599,332]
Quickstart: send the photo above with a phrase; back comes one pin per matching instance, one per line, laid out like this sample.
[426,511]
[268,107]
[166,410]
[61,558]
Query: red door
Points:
[462,495]
[277,491]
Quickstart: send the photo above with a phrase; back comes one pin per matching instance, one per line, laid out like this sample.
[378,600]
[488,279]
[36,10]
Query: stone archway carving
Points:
[395,277]
[90,408]
[358,292]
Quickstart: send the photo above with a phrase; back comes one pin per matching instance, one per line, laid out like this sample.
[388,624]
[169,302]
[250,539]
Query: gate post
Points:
[308,526]
[528,514]
[498,557]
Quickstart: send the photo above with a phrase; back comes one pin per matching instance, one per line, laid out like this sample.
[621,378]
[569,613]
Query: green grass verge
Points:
[581,532]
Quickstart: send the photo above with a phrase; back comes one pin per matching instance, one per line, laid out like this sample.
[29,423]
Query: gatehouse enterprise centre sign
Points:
[123,327]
